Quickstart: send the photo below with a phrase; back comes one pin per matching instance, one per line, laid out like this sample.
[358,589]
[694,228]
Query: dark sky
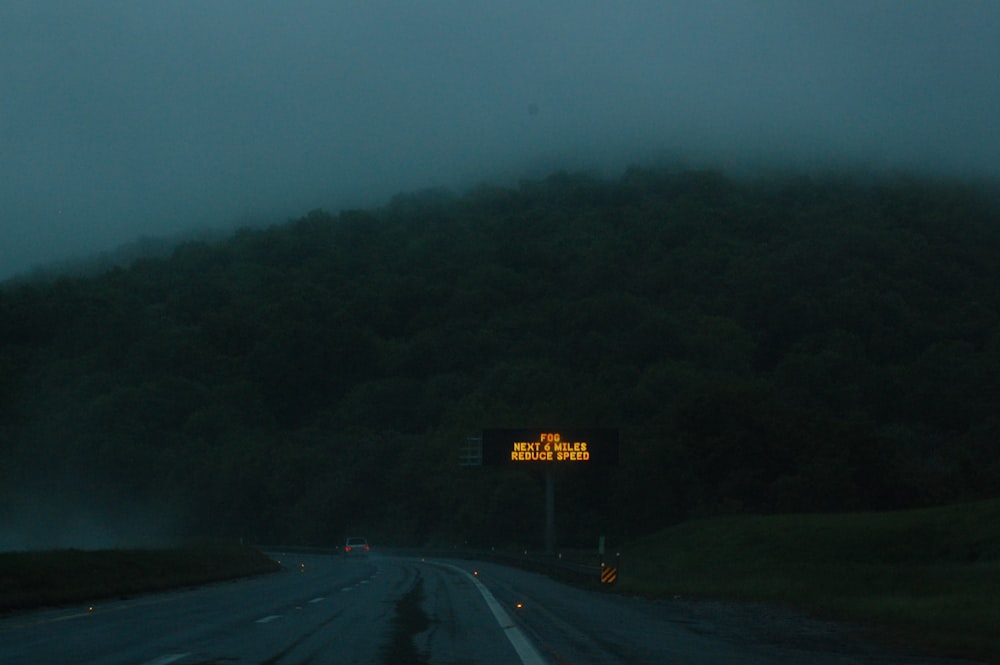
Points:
[120,119]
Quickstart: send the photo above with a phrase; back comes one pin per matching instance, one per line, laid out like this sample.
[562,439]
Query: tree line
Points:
[781,343]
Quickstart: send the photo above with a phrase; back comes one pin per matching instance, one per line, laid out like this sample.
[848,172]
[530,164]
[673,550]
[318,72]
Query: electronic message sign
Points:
[505,447]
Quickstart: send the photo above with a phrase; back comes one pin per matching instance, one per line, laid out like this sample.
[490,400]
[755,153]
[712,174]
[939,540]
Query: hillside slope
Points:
[787,343]
[929,577]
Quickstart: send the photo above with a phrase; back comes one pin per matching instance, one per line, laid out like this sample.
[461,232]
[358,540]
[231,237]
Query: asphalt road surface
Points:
[406,611]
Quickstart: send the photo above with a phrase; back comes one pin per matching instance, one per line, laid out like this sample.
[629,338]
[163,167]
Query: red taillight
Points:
[347,548]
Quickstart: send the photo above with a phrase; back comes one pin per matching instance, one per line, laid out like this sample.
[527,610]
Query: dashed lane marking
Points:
[91,611]
[166,660]
[269,619]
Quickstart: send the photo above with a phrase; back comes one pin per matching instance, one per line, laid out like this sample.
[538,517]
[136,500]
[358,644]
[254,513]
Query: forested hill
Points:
[789,343]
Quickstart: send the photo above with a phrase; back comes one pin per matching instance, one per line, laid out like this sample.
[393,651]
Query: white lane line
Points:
[166,660]
[525,650]
[318,600]
[269,619]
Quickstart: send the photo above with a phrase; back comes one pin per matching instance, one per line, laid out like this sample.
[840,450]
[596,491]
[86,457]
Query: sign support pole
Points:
[550,511]
[548,448]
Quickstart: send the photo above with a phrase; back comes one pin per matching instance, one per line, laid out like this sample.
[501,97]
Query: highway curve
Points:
[410,611]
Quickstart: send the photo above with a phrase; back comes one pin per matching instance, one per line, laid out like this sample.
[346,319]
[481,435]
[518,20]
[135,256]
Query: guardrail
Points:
[562,567]
[565,568]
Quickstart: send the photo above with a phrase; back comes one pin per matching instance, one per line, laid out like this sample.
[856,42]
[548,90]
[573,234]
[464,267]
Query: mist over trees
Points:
[788,343]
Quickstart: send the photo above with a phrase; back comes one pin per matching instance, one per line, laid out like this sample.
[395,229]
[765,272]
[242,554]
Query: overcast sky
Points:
[145,118]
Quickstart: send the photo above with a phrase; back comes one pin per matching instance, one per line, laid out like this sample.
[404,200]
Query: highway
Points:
[409,611]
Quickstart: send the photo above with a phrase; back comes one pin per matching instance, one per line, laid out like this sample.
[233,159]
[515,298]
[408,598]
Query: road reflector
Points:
[609,575]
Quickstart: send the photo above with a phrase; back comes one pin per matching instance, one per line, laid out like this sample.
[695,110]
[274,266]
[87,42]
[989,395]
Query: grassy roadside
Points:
[37,579]
[927,577]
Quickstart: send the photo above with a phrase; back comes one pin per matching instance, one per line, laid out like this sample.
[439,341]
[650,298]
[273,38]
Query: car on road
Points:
[356,546]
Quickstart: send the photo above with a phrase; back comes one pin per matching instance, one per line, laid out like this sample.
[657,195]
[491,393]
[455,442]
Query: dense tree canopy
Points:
[788,343]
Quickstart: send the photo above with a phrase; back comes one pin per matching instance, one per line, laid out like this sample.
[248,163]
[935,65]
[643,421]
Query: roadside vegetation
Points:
[928,577]
[39,579]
